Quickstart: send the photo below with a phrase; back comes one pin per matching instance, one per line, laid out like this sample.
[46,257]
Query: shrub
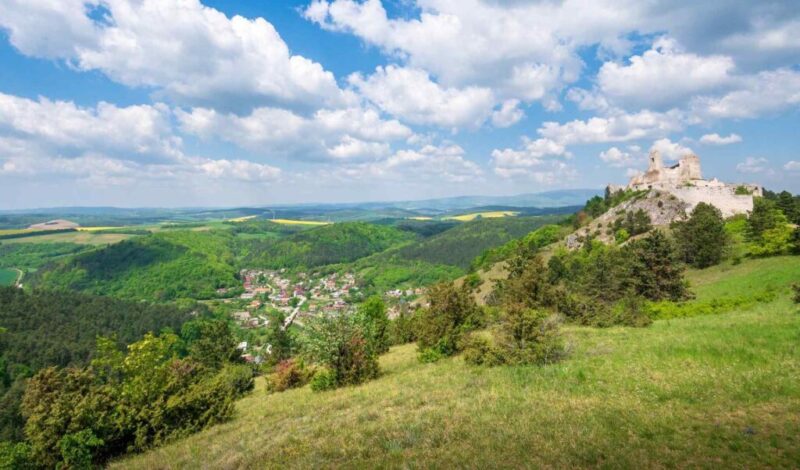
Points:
[452,312]
[621,236]
[796,289]
[523,337]
[337,342]
[290,373]
[375,324]
[794,247]
[402,329]
[631,311]
[479,351]
[15,456]
[323,379]
[76,449]
[429,355]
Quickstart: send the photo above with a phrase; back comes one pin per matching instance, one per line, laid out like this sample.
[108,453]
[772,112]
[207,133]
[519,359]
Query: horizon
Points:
[351,102]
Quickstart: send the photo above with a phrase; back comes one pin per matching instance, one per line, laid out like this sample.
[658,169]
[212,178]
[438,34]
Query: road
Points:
[290,319]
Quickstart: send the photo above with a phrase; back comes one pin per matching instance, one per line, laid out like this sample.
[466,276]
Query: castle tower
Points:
[655,162]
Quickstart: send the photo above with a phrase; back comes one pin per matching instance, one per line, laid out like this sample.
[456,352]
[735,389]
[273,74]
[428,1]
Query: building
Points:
[684,180]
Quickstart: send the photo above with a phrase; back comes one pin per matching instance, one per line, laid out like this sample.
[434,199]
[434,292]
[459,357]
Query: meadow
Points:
[706,391]
[8,277]
[78,237]
[483,215]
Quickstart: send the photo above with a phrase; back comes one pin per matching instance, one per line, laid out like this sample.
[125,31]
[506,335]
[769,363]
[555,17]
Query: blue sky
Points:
[183,103]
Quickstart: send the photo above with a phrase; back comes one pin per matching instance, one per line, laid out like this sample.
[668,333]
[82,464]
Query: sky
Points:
[179,103]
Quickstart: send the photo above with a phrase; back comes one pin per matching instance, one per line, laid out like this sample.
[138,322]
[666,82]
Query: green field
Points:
[712,391]
[8,277]
[81,238]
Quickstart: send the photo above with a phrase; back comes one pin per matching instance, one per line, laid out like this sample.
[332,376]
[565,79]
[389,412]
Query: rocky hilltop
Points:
[667,194]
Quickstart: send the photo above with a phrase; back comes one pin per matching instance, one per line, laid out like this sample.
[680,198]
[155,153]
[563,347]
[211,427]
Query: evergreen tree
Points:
[702,239]
[655,272]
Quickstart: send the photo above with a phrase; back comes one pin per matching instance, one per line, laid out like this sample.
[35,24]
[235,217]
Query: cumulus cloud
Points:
[104,145]
[342,133]
[762,93]
[792,165]
[540,159]
[753,165]
[137,132]
[619,158]
[445,163]
[193,53]
[716,139]
[618,127]
[670,150]
[410,94]
[663,76]
[508,114]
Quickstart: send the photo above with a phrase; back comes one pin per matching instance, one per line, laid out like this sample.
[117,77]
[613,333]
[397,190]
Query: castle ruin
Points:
[684,180]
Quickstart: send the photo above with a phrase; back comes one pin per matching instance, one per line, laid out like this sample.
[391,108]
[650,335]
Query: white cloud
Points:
[194,53]
[792,165]
[539,159]
[752,165]
[445,163]
[756,95]
[716,139]
[342,133]
[619,158]
[663,76]
[670,150]
[242,170]
[617,127]
[410,94]
[508,114]
[137,132]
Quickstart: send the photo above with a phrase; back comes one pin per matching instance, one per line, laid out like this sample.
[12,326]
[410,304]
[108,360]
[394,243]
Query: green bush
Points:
[290,373]
[15,456]
[338,343]
[452,312]
[371,315]
[523,337]
[429,355]
[77,449]
[402,329]
[796,289]
[479,351]
[323,379]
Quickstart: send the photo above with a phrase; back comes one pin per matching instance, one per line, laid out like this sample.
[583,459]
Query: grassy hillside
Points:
[460,245]
[709,391]
[163,266]
[328,244]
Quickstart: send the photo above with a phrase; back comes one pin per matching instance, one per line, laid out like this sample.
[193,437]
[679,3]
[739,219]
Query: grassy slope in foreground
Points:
[710,391]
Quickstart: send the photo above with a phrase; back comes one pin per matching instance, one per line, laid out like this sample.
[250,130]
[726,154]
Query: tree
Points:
[210,342]
[765,216]
[655,272]
[372,316]
[337,342]
[787,204]
[702,239]
[281,342]
[595,206]
[440,327]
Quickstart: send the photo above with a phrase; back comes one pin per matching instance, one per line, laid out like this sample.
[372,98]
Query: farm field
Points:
[8,277]
[81,238]
[484,215]
[298,222]
[708,391]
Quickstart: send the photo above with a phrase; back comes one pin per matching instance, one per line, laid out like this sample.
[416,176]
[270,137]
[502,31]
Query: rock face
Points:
[684,180]
[662,207]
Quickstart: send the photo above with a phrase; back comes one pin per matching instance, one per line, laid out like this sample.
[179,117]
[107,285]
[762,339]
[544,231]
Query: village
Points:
[299,296]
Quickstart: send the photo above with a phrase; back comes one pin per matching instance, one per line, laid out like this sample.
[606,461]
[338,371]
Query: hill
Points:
[707,391]
[161,266]
[323,245]
[460,245]
[60,328]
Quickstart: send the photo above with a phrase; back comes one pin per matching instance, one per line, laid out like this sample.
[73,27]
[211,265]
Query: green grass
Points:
[8,277]
[81,238]
[713,391]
